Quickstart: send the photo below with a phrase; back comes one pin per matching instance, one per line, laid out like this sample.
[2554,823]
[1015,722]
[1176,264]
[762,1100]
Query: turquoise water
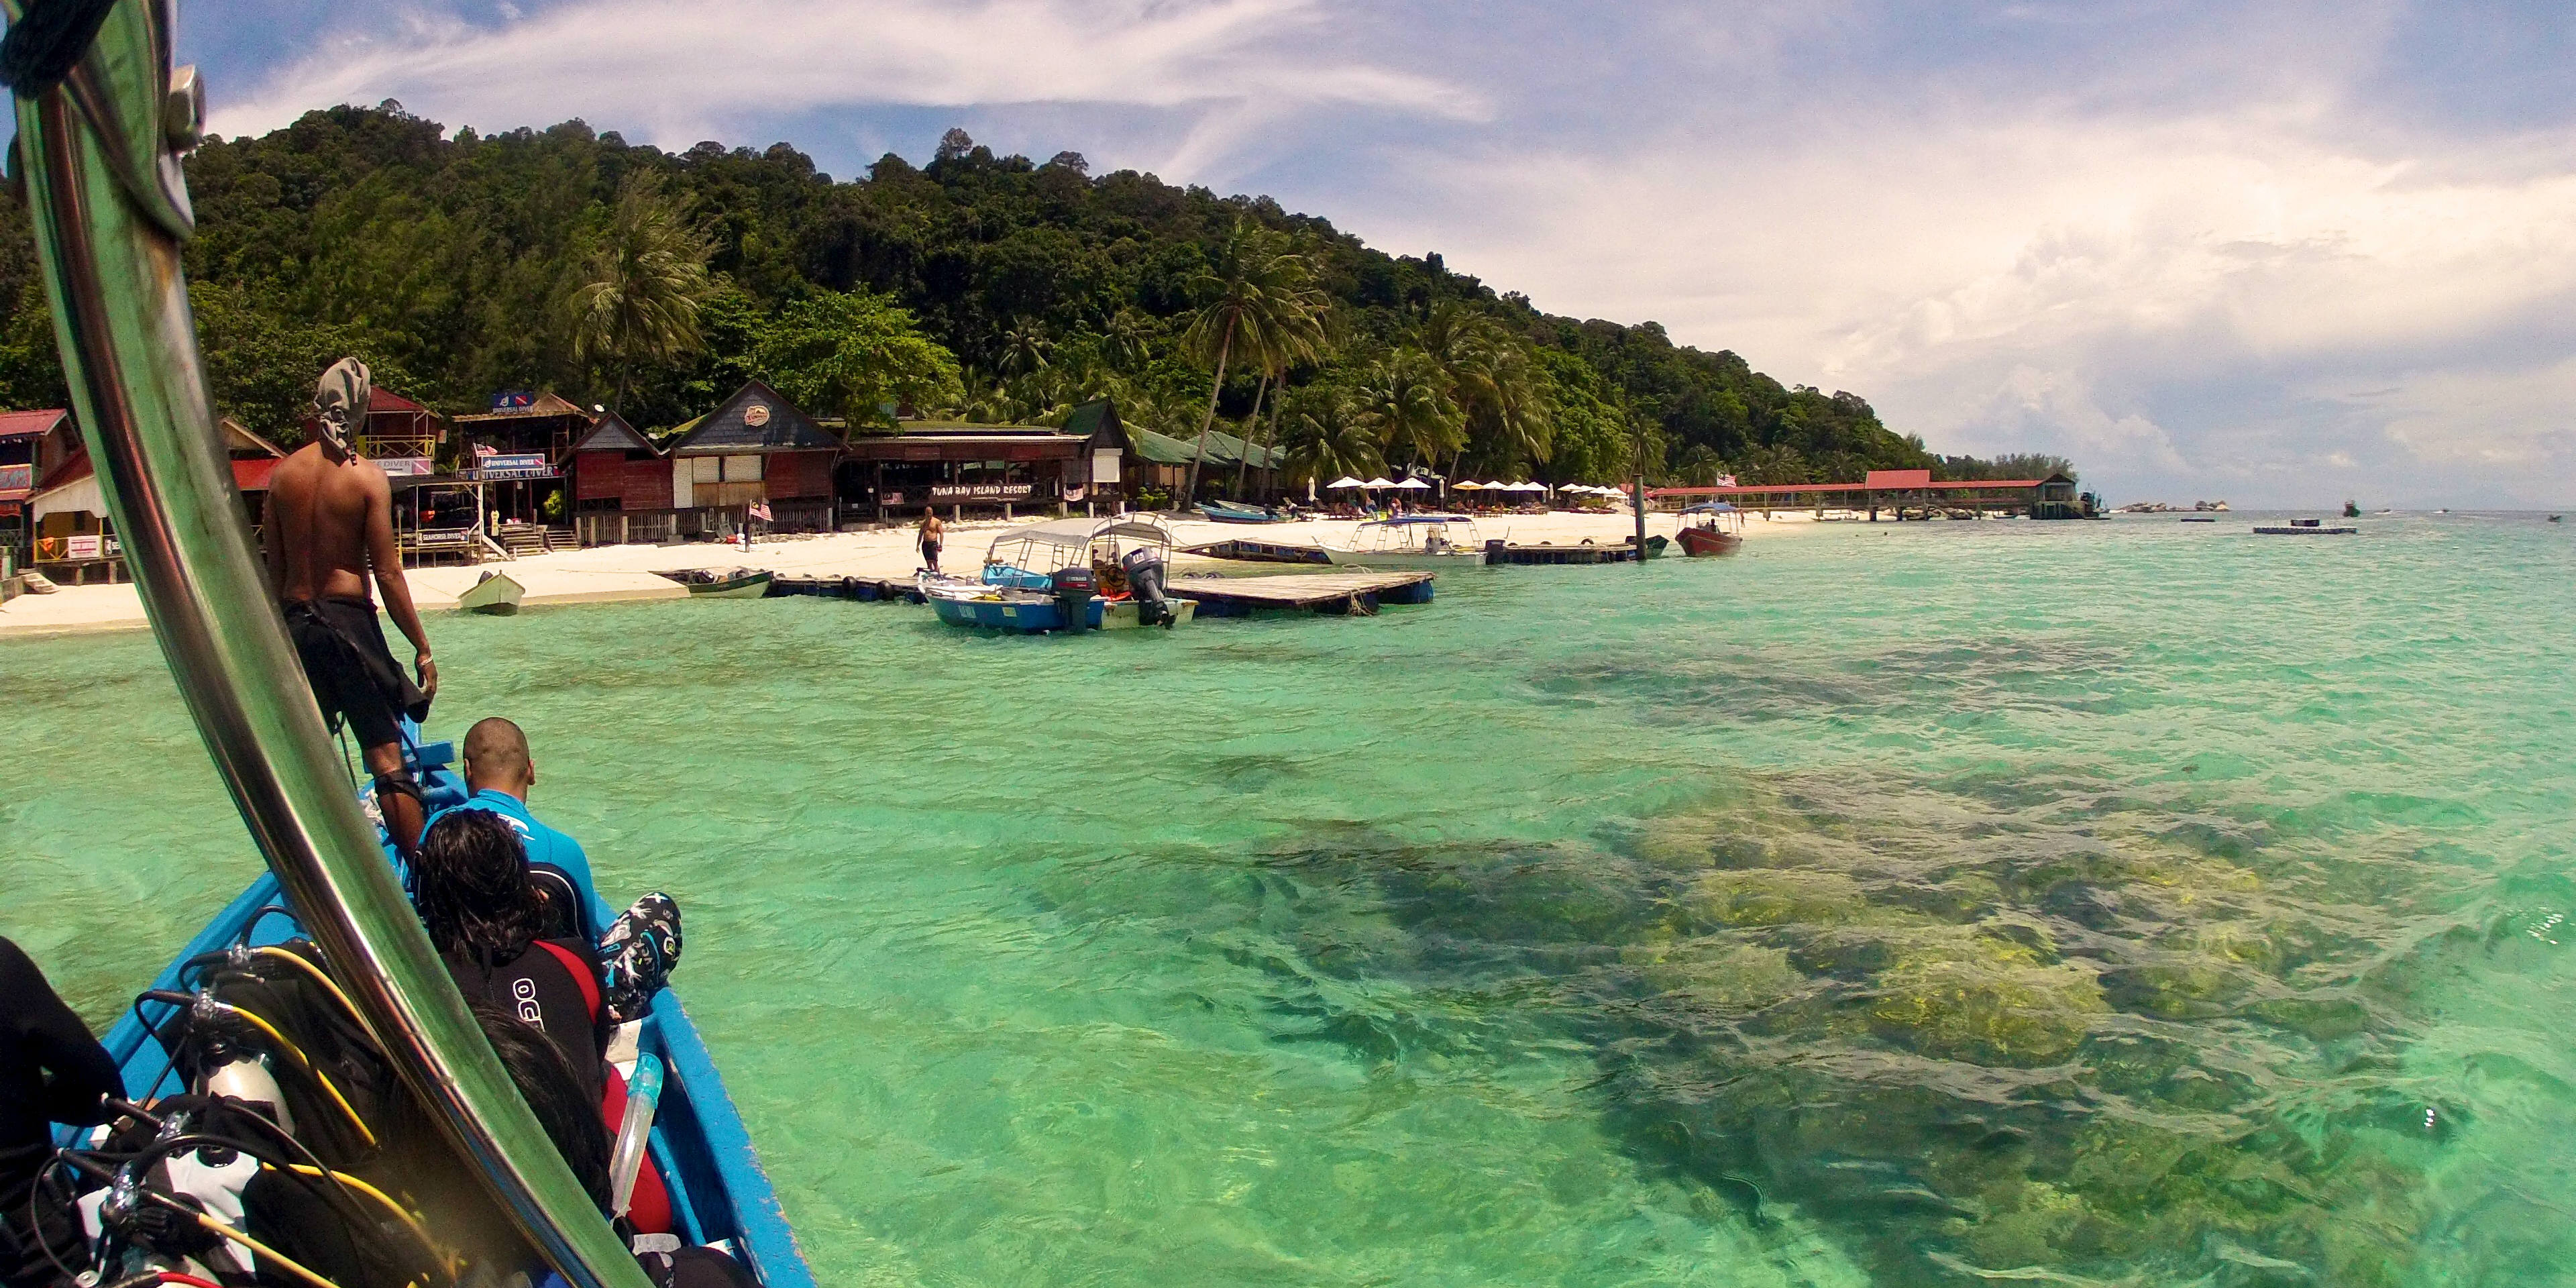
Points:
[2122,902]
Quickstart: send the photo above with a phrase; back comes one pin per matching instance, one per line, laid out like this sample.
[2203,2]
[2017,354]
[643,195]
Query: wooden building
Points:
[757,448]
[620,486]
[33,444]
[1906,492]
[397,429]
[514,455]
[1000,469]
[1095,461]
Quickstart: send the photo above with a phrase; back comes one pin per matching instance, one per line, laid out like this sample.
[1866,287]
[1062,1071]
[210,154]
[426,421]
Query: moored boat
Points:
[1065,575]
[496,594]
[1424,542]
[738,583]
[1229,512]
[1719,532]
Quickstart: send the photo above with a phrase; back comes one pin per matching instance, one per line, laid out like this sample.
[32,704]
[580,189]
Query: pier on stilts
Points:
[1329,593]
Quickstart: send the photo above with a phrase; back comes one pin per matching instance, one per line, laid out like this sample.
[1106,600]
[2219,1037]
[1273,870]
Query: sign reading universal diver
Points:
[531,465]
[982,491]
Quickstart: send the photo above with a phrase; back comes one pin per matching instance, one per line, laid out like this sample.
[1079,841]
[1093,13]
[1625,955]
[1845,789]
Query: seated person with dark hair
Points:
[500,772]
[488,922]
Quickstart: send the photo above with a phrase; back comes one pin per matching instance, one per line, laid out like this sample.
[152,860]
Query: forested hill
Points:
[462,266]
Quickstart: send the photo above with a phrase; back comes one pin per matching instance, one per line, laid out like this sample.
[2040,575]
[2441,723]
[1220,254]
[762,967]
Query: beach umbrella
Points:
[1379,481]
[1346,481]
[1412,485]
[1469,485]
[1529,487]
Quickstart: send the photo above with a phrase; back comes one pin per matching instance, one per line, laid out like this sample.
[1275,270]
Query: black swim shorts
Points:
[353,673]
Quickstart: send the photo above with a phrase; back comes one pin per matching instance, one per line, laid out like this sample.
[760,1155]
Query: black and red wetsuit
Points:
[554,985]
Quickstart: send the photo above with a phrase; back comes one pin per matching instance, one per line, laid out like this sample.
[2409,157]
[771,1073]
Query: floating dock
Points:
[2304,530]
[1254,550]
[1330,593]
[865,589]
[1624,552]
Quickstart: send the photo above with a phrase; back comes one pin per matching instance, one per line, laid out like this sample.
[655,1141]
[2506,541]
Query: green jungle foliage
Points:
[988,287]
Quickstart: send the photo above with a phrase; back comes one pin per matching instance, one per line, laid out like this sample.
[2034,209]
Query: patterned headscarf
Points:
[340,401]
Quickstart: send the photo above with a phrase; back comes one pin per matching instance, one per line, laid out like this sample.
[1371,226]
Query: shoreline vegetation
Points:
[989,288]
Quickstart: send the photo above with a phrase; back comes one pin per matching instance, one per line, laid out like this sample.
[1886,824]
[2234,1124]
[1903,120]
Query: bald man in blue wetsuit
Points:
[499,771]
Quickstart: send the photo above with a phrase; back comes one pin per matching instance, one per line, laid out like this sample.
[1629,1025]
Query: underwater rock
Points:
[1972,996]
[1718,976]
[1779,896]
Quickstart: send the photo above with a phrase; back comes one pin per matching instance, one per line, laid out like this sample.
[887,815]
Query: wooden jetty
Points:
[1330,593]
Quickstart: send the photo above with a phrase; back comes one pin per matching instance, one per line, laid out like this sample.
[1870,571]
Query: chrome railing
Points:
[101,154]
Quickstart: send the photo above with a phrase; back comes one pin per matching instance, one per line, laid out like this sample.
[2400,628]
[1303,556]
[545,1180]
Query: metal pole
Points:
[110,213]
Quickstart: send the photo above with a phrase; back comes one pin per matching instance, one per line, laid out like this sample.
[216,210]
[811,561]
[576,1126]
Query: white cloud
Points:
[672,71]
[1999,281]
[2172,238]
[2520,420]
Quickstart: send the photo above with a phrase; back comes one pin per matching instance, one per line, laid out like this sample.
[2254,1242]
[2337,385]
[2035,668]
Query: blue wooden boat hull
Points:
[1029,615]
[718,1189]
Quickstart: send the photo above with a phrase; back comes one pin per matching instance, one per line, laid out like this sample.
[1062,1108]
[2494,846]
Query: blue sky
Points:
[2279,254]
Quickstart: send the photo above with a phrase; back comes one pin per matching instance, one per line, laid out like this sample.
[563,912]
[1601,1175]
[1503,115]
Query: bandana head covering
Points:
[340,401]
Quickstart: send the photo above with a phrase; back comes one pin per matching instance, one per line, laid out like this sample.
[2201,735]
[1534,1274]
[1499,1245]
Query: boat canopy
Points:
[1402,520]
[1711,507]
[1076,533]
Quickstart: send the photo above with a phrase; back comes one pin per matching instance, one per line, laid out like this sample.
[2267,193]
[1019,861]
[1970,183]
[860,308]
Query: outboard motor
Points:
[1074,588]
[1144,566]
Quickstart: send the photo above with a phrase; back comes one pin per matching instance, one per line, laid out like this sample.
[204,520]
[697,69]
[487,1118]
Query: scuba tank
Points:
[245,1077]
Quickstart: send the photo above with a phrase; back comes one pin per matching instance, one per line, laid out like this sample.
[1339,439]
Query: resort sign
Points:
[530,465]
[982,491]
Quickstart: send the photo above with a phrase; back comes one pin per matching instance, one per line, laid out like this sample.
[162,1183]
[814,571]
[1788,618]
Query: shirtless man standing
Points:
[932,531]
[330,525]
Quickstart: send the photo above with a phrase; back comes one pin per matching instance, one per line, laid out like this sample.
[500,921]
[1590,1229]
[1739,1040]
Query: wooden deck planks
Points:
[1324,591]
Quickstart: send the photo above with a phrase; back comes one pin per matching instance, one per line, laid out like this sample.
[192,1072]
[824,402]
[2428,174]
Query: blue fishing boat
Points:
[720,1196]
[103,127]
[1066,575]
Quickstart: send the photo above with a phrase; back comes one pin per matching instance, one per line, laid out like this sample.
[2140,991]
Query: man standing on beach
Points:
[330,527]
[931,532]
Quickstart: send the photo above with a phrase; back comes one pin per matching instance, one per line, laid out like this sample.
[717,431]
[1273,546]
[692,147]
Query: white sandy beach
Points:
[616,573]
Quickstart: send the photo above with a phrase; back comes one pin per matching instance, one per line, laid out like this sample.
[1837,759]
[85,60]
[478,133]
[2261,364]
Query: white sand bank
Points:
[612,573]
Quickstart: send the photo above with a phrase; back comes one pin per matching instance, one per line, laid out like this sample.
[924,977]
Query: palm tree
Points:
[1126,341]
[1406,399]
[1492,379]
[1329,435]
[1263,306]
[1024,349]
[642,284]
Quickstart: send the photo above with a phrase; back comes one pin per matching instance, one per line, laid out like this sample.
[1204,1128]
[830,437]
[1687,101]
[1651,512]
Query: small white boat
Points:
[497,593]
[1428,542]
